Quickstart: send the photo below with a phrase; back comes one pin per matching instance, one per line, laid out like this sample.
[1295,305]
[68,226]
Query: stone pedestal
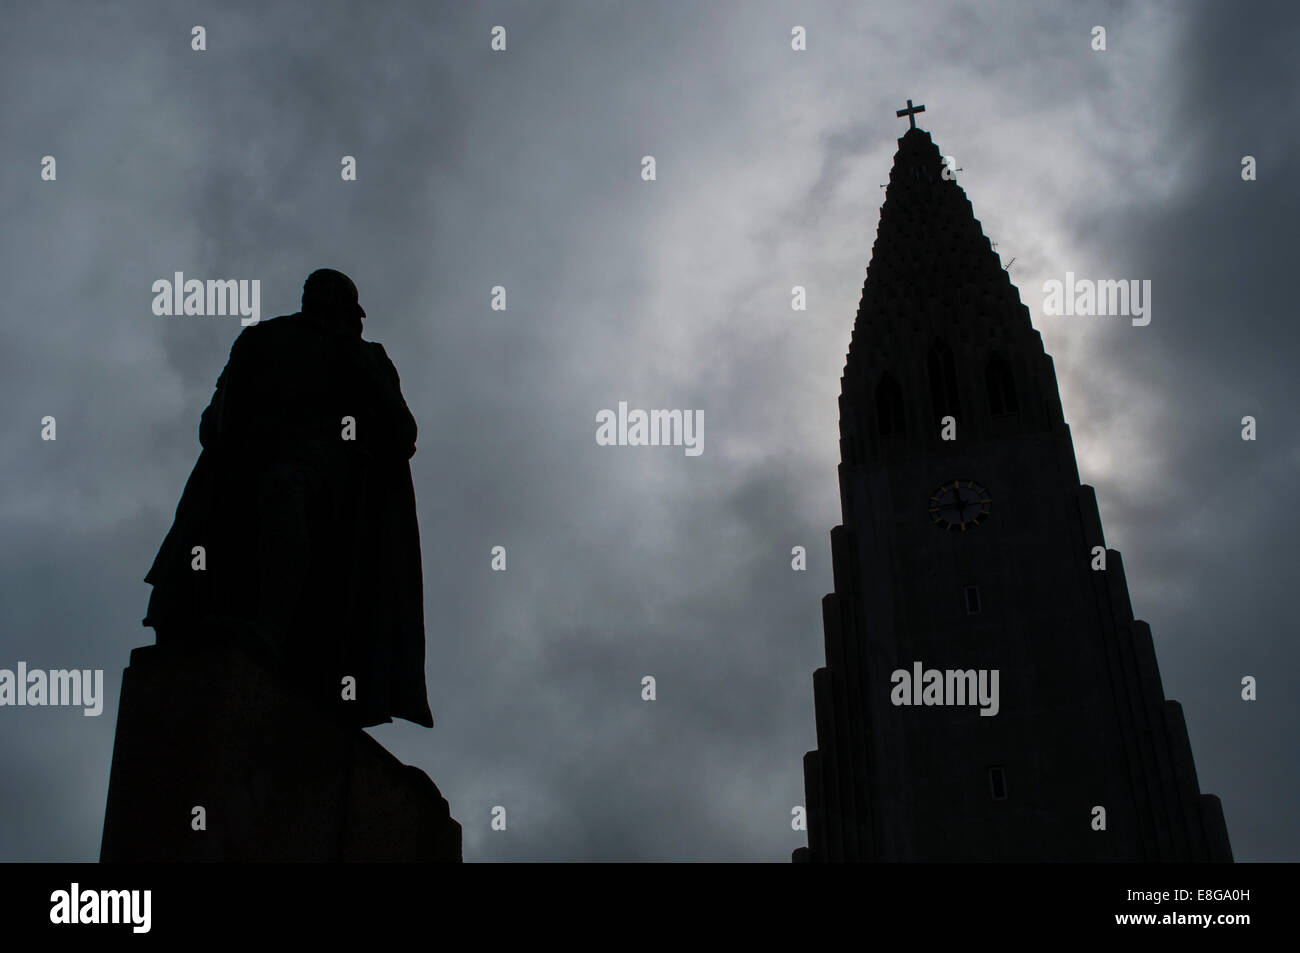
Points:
[277,781]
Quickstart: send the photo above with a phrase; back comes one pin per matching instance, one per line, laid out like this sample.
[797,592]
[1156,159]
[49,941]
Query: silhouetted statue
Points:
[303,505]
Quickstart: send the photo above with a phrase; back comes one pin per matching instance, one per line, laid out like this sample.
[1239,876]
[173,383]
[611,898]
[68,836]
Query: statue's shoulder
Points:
[386,361]
[281,324]
[272,330]
[378,350]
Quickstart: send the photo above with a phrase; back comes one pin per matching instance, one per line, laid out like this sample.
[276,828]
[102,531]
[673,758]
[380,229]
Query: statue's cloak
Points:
[274,431]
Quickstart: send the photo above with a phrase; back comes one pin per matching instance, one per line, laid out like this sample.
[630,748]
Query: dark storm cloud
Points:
[523,170]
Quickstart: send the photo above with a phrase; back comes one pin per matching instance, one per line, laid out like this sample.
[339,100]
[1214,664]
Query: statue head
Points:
[330,297]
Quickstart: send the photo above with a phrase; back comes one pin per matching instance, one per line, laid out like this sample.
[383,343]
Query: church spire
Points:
[930,250]
[933,276]
[970,550]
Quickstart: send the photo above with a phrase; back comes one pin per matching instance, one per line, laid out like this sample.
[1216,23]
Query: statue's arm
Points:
[210,421]
[399,425]
[216,423]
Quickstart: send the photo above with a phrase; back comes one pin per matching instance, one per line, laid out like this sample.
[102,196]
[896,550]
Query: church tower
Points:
[987,694]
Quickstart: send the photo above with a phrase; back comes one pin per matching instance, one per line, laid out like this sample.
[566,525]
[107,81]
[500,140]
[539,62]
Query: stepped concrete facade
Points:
[970,549]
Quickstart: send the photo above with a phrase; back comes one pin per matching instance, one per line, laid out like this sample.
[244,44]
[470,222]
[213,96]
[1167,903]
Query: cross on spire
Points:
[910,112]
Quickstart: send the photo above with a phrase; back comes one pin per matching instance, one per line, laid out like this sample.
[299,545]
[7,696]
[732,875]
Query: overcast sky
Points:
[522,169]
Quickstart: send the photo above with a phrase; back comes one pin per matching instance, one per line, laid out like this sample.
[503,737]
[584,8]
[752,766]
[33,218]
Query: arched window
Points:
[1001,387]
[943,380]
[889,407]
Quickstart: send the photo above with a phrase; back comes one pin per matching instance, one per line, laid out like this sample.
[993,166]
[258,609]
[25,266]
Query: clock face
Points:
[959,505]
